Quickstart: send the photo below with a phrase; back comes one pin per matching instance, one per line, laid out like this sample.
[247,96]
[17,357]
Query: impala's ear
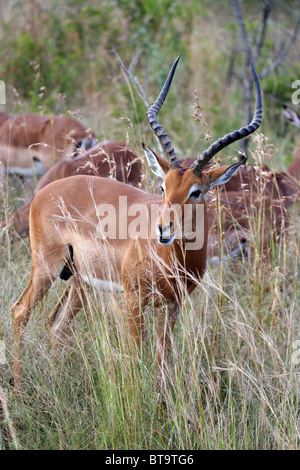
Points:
[158,165]
[223,174]
[291,115]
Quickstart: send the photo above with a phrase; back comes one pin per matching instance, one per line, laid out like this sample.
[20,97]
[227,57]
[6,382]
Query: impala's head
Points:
[291,115]
[181,186]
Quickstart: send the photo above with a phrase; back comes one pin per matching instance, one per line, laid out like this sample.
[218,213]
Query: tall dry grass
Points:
[232,380]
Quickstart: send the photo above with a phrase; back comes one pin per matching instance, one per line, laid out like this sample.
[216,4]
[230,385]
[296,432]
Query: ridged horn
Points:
[157,128]
[198,165]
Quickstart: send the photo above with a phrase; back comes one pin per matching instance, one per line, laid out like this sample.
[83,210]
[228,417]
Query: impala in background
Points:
[107,159]
[30,144]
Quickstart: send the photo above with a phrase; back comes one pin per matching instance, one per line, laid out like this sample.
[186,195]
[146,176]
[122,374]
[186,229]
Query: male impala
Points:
[31,144]
[66,240]
[108,159]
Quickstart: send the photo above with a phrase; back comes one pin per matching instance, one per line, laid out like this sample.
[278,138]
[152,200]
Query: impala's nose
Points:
[166,227]
[165,237]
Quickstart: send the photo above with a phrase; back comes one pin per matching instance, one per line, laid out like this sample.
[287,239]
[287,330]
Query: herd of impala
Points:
[82,181]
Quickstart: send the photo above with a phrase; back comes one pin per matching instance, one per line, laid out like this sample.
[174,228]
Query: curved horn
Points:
[197,166]
[157,128]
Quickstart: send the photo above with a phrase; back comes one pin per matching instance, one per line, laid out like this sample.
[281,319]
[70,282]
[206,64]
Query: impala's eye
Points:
[161,189]
[196,194]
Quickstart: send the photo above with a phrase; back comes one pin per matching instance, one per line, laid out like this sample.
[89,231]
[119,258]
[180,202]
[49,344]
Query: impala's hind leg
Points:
[34,292]
[71,301]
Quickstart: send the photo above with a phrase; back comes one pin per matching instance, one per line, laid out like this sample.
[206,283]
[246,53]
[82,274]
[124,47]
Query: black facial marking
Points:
[196,194]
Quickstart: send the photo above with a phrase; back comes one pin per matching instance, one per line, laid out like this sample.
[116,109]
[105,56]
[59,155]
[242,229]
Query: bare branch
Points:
[138,87]
[247,79]
[134,80]
[244,35]
[266,12]
[284,51]
[135,60]
[238,77]
[230,71]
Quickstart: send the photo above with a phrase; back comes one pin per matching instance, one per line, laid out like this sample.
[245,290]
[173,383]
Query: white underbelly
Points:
[103,285]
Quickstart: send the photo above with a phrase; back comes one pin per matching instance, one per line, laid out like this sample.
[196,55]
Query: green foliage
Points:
[71,46]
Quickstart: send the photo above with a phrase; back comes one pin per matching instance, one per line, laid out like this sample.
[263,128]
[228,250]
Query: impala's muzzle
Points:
[165,233]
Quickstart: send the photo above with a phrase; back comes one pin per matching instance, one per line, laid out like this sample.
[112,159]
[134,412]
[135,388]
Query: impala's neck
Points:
[196,259]
[190,254]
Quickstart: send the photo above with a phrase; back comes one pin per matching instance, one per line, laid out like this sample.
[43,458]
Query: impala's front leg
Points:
[164,330]
[134,311]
